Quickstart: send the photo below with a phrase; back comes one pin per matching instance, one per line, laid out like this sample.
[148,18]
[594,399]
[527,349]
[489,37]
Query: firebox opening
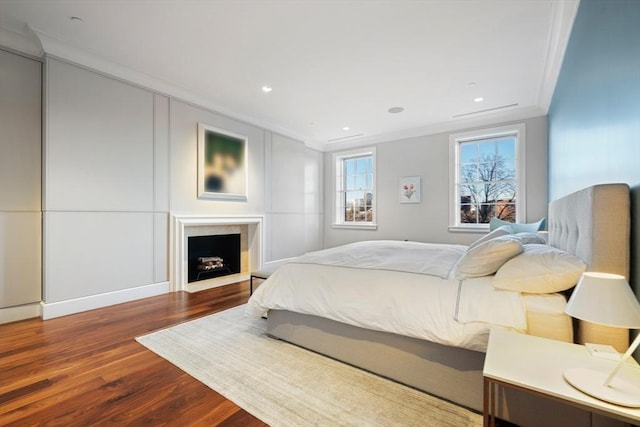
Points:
[213,256]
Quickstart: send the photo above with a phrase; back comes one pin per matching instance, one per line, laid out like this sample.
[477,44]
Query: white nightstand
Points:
[536,365]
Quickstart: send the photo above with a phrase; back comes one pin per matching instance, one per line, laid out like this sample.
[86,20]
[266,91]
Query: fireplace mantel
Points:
[183,226]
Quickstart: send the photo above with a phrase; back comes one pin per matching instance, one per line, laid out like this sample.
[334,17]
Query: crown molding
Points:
[57,49]
[26,44]
[479,120]
[563,16]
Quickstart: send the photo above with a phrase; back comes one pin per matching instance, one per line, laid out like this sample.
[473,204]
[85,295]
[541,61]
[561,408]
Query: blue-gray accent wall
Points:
[594,118]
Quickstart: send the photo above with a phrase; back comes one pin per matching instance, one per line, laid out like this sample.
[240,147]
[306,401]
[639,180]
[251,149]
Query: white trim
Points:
[21,312]
[454,139]
[178,262]
[367,226]
[337,207]
[563,16]
[77,305]
[63,51]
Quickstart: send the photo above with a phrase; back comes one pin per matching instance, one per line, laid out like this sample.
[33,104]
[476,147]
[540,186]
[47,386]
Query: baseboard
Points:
[21,312]
[77,305]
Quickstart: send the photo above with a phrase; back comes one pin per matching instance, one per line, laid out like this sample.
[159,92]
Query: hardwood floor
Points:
[87,369]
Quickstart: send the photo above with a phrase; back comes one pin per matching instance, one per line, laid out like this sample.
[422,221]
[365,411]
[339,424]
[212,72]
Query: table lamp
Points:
[606,299]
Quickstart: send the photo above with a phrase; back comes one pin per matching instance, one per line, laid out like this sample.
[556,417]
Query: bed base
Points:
[450,373]
[456,373]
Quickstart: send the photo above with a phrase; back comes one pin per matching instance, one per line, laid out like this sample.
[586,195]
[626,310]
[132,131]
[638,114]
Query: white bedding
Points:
[397,287]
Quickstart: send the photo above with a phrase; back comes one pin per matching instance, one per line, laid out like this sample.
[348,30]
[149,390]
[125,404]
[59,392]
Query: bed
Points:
[591,226]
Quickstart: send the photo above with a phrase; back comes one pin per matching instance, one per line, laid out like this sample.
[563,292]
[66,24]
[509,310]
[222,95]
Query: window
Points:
[487,174]
[355,188]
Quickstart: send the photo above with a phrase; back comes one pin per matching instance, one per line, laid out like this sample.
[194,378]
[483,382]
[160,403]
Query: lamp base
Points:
[619,392]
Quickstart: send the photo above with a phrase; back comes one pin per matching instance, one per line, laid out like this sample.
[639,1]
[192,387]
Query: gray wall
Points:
[428,157]
[105,205]
[284,181]
[20,192]
[594,119]
[119,159]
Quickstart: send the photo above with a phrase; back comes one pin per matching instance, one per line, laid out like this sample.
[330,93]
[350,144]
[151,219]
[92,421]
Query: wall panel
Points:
[160,247]
[20,258]
[161,153]
[20,186]
[20,133]
[91,253]
[288,161]
[287,231]
[99,142]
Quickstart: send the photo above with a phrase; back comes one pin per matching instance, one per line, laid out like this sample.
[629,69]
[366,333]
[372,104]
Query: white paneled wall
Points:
[99,144]
[313,200]
[287,197]
[106,204]
[97,252]
[295,202]
[20,263]
[20,188]
[120,160]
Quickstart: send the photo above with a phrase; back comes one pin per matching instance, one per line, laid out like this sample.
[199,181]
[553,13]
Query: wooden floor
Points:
[87,369]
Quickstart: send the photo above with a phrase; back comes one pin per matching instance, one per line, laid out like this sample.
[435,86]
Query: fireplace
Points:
[213,256]
[186,227]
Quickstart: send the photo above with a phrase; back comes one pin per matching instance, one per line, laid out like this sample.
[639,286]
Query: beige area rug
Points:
[284,385]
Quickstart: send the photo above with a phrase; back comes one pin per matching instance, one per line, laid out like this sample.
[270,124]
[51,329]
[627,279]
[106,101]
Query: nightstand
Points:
[536,365]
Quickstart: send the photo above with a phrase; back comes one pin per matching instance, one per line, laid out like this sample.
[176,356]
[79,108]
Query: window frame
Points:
[338,188]
[455,140]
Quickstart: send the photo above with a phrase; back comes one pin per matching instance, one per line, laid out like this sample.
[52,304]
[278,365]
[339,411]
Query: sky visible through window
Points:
[358,189]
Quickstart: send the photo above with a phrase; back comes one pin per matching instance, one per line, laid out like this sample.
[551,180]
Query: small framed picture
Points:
[410,189]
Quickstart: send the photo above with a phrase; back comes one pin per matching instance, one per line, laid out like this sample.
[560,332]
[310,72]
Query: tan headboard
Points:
[594,224]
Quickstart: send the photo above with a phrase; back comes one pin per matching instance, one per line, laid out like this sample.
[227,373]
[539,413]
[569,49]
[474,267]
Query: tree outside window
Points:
[488,167]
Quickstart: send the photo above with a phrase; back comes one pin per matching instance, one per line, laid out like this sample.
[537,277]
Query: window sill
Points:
[478,229]
[356,226]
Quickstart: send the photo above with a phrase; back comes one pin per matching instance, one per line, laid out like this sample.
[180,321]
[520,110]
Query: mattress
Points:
[406,293]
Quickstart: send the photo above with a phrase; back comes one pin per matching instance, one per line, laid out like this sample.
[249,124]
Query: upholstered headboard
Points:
[595,224]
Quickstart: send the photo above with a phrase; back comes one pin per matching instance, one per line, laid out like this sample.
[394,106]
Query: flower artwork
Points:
[410,189]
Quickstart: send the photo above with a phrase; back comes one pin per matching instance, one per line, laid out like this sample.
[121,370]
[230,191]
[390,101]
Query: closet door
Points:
[20,180]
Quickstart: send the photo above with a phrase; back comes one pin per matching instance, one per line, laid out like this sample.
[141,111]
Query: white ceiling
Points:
[331,63]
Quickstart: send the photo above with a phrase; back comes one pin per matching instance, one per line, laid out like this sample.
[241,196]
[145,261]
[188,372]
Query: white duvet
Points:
[391,286]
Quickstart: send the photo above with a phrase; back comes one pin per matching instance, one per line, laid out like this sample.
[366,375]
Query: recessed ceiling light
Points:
[267,89]
[478,99]
[471,84]
[346,128]
[76,19]
[395,110]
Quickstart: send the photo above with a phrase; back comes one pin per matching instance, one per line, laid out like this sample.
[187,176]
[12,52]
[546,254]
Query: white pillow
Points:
[540,269]
[498,232]
[486,258]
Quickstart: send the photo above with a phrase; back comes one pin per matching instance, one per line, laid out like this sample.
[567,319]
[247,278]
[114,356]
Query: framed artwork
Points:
[410,189]
[222,164]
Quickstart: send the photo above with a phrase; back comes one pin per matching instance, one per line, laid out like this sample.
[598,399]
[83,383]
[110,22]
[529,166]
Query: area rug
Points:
[284,385]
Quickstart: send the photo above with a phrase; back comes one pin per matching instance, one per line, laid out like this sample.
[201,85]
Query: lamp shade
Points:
[606,299]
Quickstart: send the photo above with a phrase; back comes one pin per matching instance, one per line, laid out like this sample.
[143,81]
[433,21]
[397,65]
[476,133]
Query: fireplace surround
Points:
[250,229]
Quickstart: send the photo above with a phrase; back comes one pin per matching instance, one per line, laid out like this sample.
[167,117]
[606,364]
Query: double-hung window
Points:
[487,176]
[355,188]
